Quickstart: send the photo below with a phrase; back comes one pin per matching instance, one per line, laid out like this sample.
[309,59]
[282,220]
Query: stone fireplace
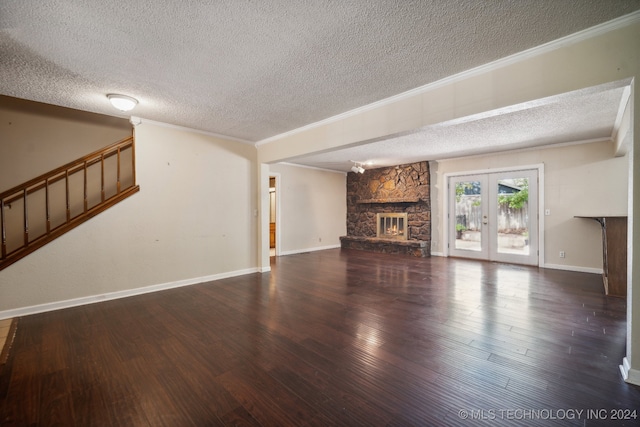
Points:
[388,210]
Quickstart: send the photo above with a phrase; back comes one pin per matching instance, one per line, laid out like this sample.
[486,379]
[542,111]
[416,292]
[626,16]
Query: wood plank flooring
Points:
[336,337]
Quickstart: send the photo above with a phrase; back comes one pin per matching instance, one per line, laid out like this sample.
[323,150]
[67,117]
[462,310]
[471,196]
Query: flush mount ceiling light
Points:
[357,167]
[122,102]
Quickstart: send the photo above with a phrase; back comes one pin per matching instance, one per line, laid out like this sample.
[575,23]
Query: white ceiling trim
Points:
[580,36]
[310,167]
[141,120]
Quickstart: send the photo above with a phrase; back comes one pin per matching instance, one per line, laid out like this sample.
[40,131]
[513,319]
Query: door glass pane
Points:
[513,216]
[468,216]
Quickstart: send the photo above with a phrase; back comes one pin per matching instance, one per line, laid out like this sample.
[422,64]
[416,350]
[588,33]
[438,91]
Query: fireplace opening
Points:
[392,226]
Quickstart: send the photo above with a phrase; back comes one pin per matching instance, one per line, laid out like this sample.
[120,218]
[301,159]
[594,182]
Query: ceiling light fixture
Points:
[122,102]
[357,167]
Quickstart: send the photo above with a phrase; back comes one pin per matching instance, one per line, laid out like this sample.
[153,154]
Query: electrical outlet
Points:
[547,211]
[561,254]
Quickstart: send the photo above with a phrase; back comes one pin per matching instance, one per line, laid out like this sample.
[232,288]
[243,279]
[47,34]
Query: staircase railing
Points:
[44,208]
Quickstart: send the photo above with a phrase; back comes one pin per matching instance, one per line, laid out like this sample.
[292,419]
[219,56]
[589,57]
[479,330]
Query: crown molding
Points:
[310,167]
[571,39]
[140,120]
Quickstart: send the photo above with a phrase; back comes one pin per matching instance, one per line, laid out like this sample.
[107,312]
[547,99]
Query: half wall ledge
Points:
[417,248]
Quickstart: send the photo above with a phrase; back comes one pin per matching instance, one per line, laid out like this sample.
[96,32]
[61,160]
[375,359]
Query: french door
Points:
[494,216]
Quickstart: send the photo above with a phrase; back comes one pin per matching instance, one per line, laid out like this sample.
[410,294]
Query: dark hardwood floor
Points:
[332,338]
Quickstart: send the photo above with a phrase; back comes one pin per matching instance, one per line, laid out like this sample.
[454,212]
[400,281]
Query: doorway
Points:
[273,203]
[494,216]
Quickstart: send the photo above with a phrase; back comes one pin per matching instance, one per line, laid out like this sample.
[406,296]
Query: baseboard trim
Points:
[301,251]
[631,376]
[59,305]
[573,268]
[553,266]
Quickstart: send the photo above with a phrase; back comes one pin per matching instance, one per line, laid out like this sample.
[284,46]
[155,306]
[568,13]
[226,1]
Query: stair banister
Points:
[11,250]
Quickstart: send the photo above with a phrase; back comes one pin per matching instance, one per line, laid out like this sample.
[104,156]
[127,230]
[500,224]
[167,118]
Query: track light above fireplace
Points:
[357,167]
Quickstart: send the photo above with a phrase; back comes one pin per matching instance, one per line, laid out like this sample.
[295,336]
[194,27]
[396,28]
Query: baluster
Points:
[3,231]
[86,201]
[26,219]
[118,173]
[133,160]
[102,178]
[46,204]
[66,178]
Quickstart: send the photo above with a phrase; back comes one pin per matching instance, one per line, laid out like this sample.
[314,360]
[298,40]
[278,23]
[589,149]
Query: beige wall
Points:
[193,219]
[313,210]
[582,179]
[36,138]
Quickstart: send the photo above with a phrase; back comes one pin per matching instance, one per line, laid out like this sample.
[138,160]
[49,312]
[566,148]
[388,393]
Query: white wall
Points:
[313,212]
[193,220]
[582,179]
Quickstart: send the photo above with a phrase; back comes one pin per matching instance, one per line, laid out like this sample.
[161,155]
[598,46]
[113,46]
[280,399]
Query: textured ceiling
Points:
[254,69]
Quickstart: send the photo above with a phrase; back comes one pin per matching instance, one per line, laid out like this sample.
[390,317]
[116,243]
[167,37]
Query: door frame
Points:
[278,178]
[541,205]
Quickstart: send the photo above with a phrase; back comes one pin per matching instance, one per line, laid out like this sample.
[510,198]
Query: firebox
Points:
[392,226]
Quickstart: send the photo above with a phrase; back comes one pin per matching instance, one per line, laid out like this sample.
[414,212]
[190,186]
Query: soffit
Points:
[587,115]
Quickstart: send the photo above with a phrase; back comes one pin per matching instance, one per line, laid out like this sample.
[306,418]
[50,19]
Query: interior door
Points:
[494,216]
